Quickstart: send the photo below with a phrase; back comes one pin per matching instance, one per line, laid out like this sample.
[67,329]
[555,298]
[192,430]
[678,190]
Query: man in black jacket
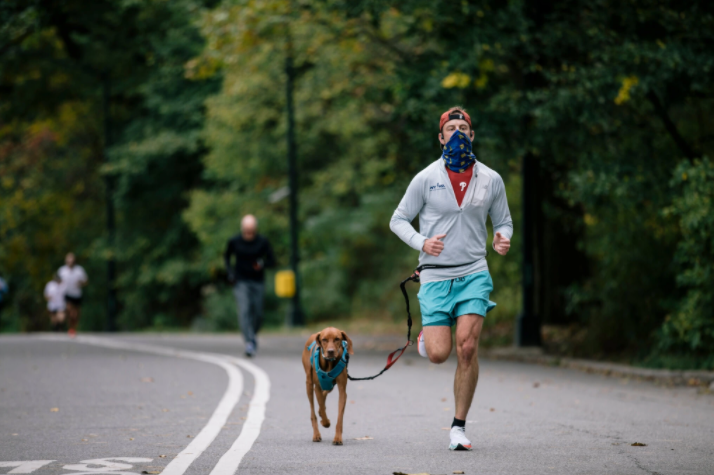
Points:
[253,253]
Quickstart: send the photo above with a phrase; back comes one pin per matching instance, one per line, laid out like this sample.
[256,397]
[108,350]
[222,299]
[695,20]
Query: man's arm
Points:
[501,219]
[409,207]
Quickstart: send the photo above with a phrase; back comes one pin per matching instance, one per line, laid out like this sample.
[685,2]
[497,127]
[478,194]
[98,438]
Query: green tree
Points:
[58,60]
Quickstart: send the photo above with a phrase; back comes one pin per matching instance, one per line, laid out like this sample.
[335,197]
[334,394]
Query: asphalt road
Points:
[124,404]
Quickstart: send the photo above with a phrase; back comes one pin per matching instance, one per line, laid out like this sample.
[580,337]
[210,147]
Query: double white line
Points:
[229,462]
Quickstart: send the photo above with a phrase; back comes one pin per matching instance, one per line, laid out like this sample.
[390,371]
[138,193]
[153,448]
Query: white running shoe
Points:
[421,346]
[458,439]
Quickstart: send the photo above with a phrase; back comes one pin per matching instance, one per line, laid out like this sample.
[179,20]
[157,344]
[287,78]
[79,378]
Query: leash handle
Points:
[391,359]
[403,285]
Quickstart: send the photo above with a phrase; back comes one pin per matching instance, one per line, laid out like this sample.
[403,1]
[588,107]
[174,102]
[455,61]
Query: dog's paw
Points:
[325,423]
[337,442]
[317,438]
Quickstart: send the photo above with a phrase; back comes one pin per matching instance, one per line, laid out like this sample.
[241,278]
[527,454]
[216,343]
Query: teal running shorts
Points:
[442,302]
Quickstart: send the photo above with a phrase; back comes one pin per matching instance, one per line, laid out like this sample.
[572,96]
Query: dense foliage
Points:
[59,59]
[610,100]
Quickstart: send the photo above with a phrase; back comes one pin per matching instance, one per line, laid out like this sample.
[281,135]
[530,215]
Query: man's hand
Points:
[500,244]
[433,246]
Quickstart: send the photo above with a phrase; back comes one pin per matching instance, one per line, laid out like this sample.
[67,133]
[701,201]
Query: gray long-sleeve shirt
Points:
[431,196]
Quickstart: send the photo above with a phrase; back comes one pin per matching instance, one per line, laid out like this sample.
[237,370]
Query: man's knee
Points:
[467,350]
[438,357]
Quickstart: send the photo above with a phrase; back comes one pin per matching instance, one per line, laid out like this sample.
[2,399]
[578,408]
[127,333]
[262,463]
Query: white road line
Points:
[27,466]
[229,400]
[228,464]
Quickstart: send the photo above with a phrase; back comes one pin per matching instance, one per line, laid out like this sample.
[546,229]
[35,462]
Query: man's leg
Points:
[53,321]
[258,300]
[241,291]
[468,331]
[71,317]
[61,315]
[438,343]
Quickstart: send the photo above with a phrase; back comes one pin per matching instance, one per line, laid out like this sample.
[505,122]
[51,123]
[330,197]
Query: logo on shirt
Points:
[462,185]
[438,186]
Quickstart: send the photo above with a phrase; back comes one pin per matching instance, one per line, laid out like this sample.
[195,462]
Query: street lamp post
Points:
[296,315]
[111,222]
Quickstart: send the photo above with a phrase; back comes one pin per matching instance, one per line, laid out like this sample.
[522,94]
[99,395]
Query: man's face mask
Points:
[457,152]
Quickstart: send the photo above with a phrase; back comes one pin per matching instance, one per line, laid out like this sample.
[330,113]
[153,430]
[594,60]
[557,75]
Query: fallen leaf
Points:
[638,444]
[190,393]
[443,399]
[147,380]
[366,437]
[352,402]
[165,410]
[162,456]
[131,438]
[536,384]
[54,409]
[446,428]
[459,472]
[85,440]
[492,409]
[150,471]
[188,436]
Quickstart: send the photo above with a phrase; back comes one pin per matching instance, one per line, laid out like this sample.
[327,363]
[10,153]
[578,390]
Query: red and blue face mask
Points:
[457,152]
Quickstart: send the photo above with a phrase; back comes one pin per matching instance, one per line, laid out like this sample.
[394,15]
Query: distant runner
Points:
[54,294]
[453,198]
[73,278]
[253,254]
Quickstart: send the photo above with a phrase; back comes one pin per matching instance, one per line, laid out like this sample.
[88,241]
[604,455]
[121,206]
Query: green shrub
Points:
[689,329]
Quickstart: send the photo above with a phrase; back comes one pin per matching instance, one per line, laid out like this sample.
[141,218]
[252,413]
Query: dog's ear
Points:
[349,343]
[318,342]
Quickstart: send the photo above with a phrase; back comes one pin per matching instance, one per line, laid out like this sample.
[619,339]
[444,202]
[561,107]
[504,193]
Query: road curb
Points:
[694,378]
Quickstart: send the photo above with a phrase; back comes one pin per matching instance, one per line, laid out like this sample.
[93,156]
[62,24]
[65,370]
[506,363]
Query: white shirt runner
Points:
[72,278]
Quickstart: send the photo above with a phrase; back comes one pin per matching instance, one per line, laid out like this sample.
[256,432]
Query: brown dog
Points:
[330,349]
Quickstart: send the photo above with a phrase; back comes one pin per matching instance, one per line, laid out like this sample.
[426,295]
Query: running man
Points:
[453,197]
[74,278]
[54,294]
[253,254]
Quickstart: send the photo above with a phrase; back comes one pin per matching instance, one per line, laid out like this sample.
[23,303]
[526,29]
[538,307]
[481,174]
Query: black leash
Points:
[403,285]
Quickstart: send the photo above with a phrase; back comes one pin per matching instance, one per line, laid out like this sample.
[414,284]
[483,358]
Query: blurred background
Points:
[139,132]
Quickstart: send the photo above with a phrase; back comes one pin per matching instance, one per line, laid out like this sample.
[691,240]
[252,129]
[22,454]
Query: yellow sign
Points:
[285,284]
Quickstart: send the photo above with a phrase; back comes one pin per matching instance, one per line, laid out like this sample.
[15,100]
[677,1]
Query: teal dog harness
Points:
[327,378]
